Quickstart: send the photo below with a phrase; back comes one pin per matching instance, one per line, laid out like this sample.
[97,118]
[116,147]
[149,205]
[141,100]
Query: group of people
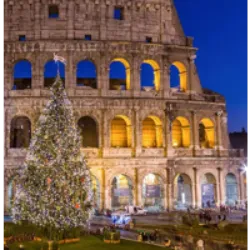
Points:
[206,217]
[150,237]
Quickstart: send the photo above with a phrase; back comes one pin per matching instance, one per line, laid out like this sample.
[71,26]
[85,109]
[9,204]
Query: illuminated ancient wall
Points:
[130,129]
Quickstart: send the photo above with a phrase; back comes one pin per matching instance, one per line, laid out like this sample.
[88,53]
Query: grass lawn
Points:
[93,243]
[235,232]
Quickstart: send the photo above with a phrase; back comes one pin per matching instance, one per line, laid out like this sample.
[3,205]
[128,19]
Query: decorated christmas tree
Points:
[54,183]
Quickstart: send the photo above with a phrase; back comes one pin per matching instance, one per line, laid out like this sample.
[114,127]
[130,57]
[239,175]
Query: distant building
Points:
[239,140]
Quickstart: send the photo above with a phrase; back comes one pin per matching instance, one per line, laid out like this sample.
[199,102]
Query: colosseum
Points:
[147,142]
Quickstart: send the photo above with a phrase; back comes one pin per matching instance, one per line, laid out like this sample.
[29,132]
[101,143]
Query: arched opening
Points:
[231,190]
[178,76]
[121,192]
[53,11]
[206,133]
[86,74]
[11,190]
[152,132]
[96,192]
[153,193]
[208,190]
[183,196]
[50,72]
[89,132]
[22,75]
[121,132]
[20,132]
[119,75]
[150,75]
[181,133]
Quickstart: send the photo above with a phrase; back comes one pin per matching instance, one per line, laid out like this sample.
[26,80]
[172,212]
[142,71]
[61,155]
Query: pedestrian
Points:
[200,245]
[225,217]
[219,217]
[151,238]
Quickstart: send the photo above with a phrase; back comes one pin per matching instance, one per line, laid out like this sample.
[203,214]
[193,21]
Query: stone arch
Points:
[20,132]
[50,72]
[89,132]
[181,132]
[206,133]
[208,190]
[182,75]
[183,191]
[151,69]
[121,66]
[121,191]
[231,189]
[153,192]
[22,75]
[152,132]
[121,131]
[86,74]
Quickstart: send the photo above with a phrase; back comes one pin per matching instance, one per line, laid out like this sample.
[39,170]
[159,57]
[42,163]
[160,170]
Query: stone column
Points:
[195,133]
[225,143]
[218,138]
[37,16]
[194,190]
[169,120]
[70,70]
[166,190]
[138,132]
[193,83]
[103,10]
[40,70]
[197,188]
[135,76]
[219,197]
[134,131]
[105,130]
[170,191]
[70,21]
[103,191]
[136,186]
[166,77]
[36,82]
[103,76]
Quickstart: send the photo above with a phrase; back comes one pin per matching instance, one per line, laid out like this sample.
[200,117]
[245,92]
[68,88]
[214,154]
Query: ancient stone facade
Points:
[163,124]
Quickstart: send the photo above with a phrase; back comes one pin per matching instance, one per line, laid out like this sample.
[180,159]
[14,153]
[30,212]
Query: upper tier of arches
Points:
[87,74]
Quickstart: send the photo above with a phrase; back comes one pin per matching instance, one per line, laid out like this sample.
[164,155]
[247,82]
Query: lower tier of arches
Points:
[156,187]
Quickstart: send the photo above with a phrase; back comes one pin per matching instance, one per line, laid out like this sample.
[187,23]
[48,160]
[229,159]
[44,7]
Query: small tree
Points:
[54,184]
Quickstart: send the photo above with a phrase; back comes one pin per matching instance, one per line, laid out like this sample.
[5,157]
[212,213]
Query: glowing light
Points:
[244,170]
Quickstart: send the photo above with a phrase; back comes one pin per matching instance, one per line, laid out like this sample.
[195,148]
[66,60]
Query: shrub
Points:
[190,221]
[109,235]
[222,225]
[55,245]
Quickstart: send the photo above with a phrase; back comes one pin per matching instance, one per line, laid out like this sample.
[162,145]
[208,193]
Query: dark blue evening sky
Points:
[219,28]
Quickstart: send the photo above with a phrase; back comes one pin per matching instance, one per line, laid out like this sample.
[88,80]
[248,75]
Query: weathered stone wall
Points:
[119,39]
[156,18]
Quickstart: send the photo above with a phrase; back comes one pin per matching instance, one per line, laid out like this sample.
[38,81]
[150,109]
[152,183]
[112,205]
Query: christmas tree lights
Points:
[54,183]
